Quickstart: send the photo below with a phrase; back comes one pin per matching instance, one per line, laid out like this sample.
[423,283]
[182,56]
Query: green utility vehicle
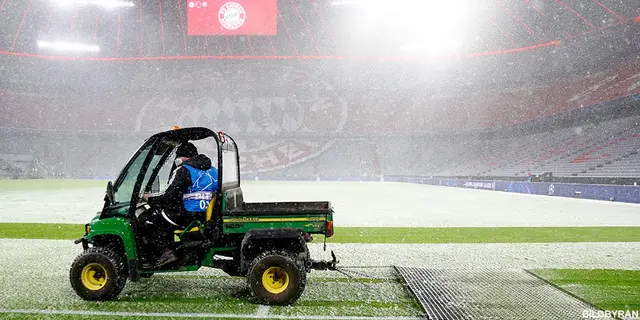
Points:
[265,242]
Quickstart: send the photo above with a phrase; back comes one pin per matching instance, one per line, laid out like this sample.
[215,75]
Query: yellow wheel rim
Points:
[275,280]
[94,276]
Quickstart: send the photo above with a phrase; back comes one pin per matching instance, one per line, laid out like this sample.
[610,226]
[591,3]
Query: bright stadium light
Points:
[62,46]
[107,4]
[416,27]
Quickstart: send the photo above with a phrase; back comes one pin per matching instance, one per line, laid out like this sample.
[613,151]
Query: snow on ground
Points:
[598,255]
[76,205]
[368,204]
[356,204]
[185,295]
[585,255]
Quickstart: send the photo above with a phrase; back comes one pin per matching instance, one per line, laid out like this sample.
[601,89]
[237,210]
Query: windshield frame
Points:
[109,207]
[161,162]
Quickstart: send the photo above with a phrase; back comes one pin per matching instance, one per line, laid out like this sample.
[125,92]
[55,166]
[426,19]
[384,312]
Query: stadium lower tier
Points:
[605,149]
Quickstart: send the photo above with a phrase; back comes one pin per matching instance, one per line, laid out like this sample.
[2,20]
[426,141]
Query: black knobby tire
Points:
[280,260]
[104,260]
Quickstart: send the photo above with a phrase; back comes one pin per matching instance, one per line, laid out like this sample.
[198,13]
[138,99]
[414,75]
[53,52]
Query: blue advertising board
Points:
[571,190]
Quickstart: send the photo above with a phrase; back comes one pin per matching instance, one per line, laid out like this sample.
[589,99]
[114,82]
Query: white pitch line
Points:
[191,315]
[263,311]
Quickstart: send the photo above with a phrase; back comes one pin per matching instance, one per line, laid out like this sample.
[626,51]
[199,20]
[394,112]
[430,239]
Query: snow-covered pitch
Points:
[390,204]
[329,295]
[362,204]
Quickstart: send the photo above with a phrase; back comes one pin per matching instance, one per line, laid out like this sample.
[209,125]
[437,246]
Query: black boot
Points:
[167,257]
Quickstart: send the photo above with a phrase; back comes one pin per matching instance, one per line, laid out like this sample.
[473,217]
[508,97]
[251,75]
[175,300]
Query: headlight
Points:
[87,228]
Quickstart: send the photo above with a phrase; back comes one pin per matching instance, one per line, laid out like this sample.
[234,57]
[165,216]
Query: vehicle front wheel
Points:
[98,273]
[276,279]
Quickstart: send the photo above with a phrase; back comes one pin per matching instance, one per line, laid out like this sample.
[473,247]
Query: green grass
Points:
[606,289]
[41,231]
[24,316]
[486,235]
[345,234]
[390,235]
[20,185]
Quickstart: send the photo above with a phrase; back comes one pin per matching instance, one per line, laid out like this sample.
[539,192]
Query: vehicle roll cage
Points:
[223,143]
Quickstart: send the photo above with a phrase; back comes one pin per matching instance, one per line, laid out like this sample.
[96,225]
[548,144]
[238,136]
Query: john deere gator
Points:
[264,242]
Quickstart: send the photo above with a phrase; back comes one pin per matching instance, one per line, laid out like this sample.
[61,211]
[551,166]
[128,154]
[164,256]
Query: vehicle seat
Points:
[196,225]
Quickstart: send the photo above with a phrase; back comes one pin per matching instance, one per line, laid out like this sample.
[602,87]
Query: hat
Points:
[187,150]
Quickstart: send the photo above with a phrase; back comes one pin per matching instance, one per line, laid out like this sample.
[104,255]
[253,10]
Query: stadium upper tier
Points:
[313,108]
[330,118]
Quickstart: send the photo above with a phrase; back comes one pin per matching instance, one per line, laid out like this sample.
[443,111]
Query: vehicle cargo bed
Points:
[274,208]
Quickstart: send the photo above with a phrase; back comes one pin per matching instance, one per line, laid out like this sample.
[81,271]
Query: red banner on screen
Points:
[232,17]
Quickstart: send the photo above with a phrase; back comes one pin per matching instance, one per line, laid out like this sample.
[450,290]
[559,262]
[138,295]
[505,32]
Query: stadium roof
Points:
[306,29]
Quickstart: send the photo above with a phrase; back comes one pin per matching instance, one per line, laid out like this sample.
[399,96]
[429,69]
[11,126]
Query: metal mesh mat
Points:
[455,294]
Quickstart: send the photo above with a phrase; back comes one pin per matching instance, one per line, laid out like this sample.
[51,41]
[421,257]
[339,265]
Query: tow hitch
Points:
[325,265]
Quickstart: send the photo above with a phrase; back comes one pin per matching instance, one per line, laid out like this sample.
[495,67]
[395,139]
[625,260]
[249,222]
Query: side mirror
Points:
[109,194]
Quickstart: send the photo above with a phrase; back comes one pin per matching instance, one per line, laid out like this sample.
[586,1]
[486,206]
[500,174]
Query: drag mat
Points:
[458,294]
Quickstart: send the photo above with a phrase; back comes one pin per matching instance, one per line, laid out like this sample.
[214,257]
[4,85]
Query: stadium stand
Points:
[344,158]
[595,150]
[606,149]
[330,118]
[339,125]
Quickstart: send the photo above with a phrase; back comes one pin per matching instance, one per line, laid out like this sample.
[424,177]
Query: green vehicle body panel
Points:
[121,227]
[244,224]
[114,226]
[232,224]
[119,210]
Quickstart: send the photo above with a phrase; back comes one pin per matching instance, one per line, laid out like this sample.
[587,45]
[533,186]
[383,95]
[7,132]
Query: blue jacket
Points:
[204,184]
[191,187]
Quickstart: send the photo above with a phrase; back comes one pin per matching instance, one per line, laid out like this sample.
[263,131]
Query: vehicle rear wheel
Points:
[276,279]
[98,273]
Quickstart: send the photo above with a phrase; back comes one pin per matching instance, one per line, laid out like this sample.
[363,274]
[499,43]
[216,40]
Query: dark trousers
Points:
[158,232]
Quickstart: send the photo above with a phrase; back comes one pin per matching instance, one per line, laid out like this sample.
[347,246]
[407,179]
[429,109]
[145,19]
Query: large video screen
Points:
[235,17]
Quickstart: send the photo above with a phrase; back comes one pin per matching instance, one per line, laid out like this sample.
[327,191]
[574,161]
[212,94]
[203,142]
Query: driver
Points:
[191,187]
